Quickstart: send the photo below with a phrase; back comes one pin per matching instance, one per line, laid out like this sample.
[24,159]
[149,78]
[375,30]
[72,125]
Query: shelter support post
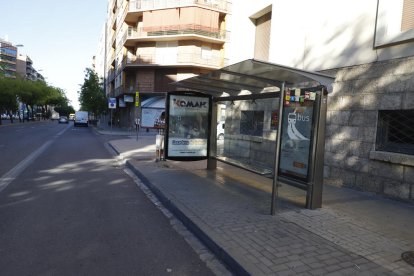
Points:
[277,152]
[314,198]
[212,161]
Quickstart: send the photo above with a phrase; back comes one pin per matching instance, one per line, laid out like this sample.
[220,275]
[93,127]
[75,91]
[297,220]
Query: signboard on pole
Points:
[121,102]
[137,103]
[188,126]
[128,98]
[112,103]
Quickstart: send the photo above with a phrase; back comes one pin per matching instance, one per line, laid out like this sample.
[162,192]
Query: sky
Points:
[60,37]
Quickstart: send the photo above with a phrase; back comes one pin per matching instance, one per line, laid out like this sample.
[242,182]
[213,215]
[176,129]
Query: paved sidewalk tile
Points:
[353,234]
[294,241]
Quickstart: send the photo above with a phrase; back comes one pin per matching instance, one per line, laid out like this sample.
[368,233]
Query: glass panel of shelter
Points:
[250,133]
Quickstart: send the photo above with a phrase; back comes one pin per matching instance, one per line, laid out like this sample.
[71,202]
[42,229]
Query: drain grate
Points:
[408,257]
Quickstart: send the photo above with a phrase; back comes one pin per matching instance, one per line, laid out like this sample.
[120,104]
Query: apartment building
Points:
[150,44]
[368,46]
[25,69]
[8,55]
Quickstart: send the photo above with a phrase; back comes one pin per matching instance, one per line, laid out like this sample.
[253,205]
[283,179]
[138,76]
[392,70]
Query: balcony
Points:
[143,5]
[9,67]
[113,38]
[111,75]
[179,60]
[174,32]
[123,89]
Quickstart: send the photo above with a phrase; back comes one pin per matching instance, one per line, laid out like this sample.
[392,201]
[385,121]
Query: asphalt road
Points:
[69,210]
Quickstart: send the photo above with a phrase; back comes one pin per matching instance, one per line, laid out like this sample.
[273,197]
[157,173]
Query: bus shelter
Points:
[273,118]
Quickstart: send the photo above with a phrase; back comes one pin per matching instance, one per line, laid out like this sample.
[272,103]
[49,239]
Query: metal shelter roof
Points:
[252,79]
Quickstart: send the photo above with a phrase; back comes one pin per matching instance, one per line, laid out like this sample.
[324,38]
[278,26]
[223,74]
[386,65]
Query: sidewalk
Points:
[228,209]
[7,122]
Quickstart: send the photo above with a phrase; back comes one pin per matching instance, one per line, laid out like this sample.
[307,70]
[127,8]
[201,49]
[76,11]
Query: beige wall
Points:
[319,34]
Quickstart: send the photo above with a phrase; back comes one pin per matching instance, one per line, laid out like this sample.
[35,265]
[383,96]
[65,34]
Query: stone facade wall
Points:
[251,150]
[359,92]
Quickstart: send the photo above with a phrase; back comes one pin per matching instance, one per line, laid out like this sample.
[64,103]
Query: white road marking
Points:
[8,177]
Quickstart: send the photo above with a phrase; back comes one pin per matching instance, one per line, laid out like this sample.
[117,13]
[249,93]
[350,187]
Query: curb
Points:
[116,151]
[215,248]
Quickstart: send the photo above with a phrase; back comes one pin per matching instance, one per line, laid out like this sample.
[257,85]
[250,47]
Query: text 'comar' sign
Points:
[189,103]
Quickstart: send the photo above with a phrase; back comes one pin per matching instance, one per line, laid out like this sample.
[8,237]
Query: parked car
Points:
[63,120]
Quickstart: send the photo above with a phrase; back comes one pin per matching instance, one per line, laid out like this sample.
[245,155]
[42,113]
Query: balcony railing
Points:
[176,30]
[141,5]
[113,39]
[124,89]
[179,59]
[111,74]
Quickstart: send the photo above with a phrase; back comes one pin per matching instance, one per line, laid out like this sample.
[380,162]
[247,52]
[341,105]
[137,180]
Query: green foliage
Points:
[31,93]
[8,95]
[91,96]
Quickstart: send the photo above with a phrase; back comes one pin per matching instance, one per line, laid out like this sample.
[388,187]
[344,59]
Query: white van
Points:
[220,130]
[81,118]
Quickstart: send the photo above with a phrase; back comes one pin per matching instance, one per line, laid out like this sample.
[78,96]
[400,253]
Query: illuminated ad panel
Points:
[188,126]
[297,133]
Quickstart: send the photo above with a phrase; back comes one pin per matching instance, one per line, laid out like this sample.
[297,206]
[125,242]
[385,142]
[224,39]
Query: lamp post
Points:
[21,110]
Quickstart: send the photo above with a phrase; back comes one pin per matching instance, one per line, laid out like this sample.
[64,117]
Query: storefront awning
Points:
[253,79]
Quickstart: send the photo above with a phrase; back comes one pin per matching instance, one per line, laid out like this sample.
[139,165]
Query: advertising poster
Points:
[188,126]
[128,99]
[150,116]
[274,120]
[121,102]
[296,140]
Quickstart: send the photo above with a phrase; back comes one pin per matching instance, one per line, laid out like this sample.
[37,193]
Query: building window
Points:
[262,37]
[251,123]
[166,52]
[395,132]
[395,22]
[407,22]
[206,52]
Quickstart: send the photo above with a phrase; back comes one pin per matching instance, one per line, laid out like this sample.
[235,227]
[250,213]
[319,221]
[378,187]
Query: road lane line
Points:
[8,177]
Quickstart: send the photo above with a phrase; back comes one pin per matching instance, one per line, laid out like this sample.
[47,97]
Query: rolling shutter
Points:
[407,22]
[262,39]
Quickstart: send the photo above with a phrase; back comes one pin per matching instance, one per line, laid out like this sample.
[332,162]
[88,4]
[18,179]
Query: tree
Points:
[91,96]
[8,97]
[32,93]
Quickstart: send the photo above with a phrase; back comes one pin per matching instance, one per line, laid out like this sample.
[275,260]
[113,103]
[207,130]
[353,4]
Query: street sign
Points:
[112,103]
[137,98]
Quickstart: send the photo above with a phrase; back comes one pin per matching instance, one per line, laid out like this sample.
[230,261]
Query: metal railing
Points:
[124,89]
[179,59]
[111,74]
[141,5]
[113,39]
[175,30]
[395,132]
